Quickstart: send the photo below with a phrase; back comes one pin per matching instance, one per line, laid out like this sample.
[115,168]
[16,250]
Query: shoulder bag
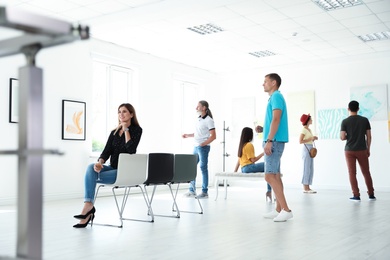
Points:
[312,151]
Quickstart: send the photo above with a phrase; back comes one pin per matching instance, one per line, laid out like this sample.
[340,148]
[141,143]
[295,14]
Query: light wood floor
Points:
[325,226]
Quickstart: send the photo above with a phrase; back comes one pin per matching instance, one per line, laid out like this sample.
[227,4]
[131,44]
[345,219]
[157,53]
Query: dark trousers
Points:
[362,158]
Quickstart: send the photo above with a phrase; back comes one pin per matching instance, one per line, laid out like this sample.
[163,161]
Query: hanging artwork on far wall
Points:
[73,120]
[13,100]
[329,122]
[372,101]
[298,103]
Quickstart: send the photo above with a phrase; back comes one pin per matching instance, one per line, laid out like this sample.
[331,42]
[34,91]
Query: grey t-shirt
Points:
[356,127]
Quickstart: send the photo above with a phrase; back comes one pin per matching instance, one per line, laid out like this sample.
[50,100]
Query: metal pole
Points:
[29,230]
[224,130]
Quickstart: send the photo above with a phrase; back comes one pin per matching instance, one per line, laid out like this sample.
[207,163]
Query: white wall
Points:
[331,82]
[68,75]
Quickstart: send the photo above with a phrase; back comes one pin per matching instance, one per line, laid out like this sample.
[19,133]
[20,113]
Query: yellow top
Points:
[248,152]
[306,135]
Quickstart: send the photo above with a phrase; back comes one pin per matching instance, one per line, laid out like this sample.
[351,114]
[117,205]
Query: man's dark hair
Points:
[353,106]
[276,77]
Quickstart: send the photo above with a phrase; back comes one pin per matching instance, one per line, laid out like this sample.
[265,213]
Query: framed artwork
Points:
[299,103]
[13,100]
[73,120]
[329,122]
[372,101]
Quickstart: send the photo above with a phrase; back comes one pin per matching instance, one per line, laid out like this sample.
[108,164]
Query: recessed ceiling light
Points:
[206,29]
[262,54]
[375,36]
[329,5]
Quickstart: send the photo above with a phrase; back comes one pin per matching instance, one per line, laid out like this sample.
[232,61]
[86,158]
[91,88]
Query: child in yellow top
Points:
[247,158]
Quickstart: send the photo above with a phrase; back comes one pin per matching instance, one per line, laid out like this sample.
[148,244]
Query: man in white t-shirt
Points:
[203,135]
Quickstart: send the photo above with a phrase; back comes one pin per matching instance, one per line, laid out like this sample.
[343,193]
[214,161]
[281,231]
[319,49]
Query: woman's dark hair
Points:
[134,120]
[246,137]
[206,104]
[307,120]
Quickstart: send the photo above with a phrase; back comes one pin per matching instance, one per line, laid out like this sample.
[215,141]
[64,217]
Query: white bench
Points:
[225,176]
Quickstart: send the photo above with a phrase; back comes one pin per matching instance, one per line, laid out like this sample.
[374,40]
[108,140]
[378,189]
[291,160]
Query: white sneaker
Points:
[271,214]
[283,216]
[309,191]
[190,194]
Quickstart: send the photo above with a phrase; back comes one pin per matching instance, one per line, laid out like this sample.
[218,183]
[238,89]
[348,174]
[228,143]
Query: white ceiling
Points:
[159,27]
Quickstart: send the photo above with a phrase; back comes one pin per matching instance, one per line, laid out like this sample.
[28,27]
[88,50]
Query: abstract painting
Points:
[329,122]
[372,101]
[299,103]
[73,120]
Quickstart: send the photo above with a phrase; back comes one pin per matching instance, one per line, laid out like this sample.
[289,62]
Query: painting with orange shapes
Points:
[73,120]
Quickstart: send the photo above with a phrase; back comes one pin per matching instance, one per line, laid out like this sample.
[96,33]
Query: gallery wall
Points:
[68,75]
[331,83]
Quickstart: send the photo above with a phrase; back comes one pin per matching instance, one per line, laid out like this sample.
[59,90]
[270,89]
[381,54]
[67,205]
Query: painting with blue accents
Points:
[372,101]
[329,122]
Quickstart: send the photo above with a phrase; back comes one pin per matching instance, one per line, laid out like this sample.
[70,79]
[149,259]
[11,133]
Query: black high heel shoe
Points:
[91,217]
[92,211]
[268,196]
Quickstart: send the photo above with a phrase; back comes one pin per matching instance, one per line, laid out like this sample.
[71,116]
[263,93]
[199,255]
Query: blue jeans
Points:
[255,167]
[272,162]
[308,165]
[203,158]
[107,176]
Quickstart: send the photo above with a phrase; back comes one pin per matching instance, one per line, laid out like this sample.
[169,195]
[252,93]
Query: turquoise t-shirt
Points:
[276,101]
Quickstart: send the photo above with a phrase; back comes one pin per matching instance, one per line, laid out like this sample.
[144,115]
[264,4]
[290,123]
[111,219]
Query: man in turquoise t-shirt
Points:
[275,137]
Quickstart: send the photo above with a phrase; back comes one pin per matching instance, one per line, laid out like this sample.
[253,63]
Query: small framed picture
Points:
[73,120]
[13,100]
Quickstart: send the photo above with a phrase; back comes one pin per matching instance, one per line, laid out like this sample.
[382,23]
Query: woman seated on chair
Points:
[123,139]
[247,158]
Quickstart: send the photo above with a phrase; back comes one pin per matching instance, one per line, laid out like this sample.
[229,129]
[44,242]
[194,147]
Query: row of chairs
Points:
[154,169]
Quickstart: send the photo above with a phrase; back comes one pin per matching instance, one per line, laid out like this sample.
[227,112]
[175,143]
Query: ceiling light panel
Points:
[262,54]
[329,5]
[206,29]
[375,36]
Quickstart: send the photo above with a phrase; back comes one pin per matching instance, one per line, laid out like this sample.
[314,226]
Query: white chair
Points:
[132,172]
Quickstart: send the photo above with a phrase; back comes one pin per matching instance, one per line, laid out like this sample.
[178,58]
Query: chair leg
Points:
[225,186]
[121,207]
[120,210]
[148,205]
[151,199]
[174,202]
[117,206]
[200,205]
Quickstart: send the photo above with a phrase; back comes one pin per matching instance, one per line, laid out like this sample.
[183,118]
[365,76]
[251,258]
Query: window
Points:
[112,86]
[187,97]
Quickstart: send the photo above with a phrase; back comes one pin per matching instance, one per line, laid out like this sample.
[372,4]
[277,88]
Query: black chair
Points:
[160,172]
[184,172]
